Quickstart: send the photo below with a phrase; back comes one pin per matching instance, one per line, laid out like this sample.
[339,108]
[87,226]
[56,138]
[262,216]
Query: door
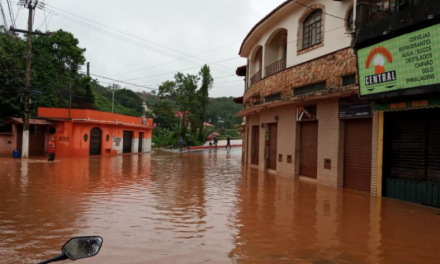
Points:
[37,138]
[309,149]
[255,146]
[358,154]
[141,139]
[95,142]
[128,141]
[273,142]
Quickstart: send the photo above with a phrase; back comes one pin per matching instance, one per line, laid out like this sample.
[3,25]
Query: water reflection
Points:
[201,207]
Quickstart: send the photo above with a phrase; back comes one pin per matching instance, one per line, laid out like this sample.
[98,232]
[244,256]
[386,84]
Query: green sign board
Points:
[408,61]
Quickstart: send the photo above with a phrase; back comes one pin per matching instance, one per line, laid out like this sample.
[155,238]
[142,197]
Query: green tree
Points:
[11,71]
[165,116]
[130,100]
[56,61]
[191,99]
[203,96]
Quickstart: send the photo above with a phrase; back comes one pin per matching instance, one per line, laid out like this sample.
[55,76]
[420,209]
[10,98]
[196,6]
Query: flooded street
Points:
[201,208]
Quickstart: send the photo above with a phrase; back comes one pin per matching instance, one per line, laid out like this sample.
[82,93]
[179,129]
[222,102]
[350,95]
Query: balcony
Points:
[276,67]
[377,18]
[256,78]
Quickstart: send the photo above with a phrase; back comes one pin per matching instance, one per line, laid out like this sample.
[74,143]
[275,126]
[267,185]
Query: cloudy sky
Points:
[147,42]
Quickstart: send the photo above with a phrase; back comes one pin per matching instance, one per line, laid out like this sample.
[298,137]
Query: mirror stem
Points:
[57,258]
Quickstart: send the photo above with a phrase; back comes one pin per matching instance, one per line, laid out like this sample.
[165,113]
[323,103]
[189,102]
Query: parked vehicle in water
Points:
[78,248]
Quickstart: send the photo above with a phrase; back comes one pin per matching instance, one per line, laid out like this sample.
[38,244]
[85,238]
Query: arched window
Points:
[312,25]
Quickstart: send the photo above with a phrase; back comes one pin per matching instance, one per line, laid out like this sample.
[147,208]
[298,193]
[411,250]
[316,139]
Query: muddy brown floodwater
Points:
[201,208]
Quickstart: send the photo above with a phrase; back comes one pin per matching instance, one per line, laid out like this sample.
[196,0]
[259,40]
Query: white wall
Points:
[335,34]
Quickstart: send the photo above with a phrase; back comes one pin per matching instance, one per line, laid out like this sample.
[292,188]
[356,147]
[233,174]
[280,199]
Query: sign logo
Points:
[379,56]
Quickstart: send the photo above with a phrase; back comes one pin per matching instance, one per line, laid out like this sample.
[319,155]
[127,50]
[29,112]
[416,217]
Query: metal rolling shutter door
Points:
[358,154]
[309,150]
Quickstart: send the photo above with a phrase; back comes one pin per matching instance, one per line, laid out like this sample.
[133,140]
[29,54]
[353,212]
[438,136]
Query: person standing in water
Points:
[229,143]
[51,148]
[215,141]
[180,143]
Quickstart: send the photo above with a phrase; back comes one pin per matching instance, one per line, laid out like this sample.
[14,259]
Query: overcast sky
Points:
[148,33]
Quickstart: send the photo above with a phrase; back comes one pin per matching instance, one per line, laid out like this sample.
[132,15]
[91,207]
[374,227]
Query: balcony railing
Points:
[276,67]
[256,78]
[375,18]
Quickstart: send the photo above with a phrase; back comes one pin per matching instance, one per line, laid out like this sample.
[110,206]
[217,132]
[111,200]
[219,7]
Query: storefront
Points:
[411,164]
[401,77]
[308,157]
[356,115]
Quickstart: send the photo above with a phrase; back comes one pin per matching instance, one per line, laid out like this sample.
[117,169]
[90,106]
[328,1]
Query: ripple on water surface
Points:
[201,208]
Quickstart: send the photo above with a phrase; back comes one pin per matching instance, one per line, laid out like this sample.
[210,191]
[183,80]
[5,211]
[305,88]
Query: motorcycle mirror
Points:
[82,247]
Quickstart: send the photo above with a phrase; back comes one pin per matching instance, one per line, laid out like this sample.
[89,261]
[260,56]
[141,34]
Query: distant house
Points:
[80,133]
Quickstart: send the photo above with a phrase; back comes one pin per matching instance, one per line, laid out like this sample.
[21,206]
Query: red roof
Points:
[262,21]
[208,124]
[19,121]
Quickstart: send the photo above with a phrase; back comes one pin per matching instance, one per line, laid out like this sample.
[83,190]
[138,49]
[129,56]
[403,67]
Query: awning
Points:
[402,105]
[241,71]
[19,121]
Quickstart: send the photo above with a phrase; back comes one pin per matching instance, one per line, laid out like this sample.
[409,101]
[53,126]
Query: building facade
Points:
[398,51]
[79,133]
[301,102]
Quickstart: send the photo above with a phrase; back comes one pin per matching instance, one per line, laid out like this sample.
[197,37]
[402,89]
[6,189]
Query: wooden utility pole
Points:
[113,99]
[25,147]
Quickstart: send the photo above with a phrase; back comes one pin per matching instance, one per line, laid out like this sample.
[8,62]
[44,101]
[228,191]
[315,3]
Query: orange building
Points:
[80,133]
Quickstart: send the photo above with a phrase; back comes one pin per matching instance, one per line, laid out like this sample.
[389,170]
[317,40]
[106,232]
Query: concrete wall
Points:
[329,142]
[8,142]
[70,138]
[286,137]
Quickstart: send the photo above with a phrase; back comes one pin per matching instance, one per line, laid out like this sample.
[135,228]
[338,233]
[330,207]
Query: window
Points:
[310,88]
[272,98]
[349,80]
[312,26]
[350,21]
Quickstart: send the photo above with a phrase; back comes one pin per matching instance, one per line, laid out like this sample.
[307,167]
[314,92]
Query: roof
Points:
[262,21]
[19,121]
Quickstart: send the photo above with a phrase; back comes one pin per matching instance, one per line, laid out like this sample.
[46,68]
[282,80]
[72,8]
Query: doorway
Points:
[95,142]
[273,142]
[141,139]
[128,142]
[255,146]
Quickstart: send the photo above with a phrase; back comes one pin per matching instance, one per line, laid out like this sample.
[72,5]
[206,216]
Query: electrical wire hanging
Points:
[149,47]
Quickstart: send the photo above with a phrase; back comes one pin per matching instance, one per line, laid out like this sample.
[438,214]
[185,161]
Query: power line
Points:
[148,67]
[151,76]
[129,40]
[124,82]
[139,37]
[11,13]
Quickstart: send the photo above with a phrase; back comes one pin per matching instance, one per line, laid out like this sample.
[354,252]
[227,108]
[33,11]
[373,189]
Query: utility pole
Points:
[27,90]
[88,69]
[113,98]
[30,5]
